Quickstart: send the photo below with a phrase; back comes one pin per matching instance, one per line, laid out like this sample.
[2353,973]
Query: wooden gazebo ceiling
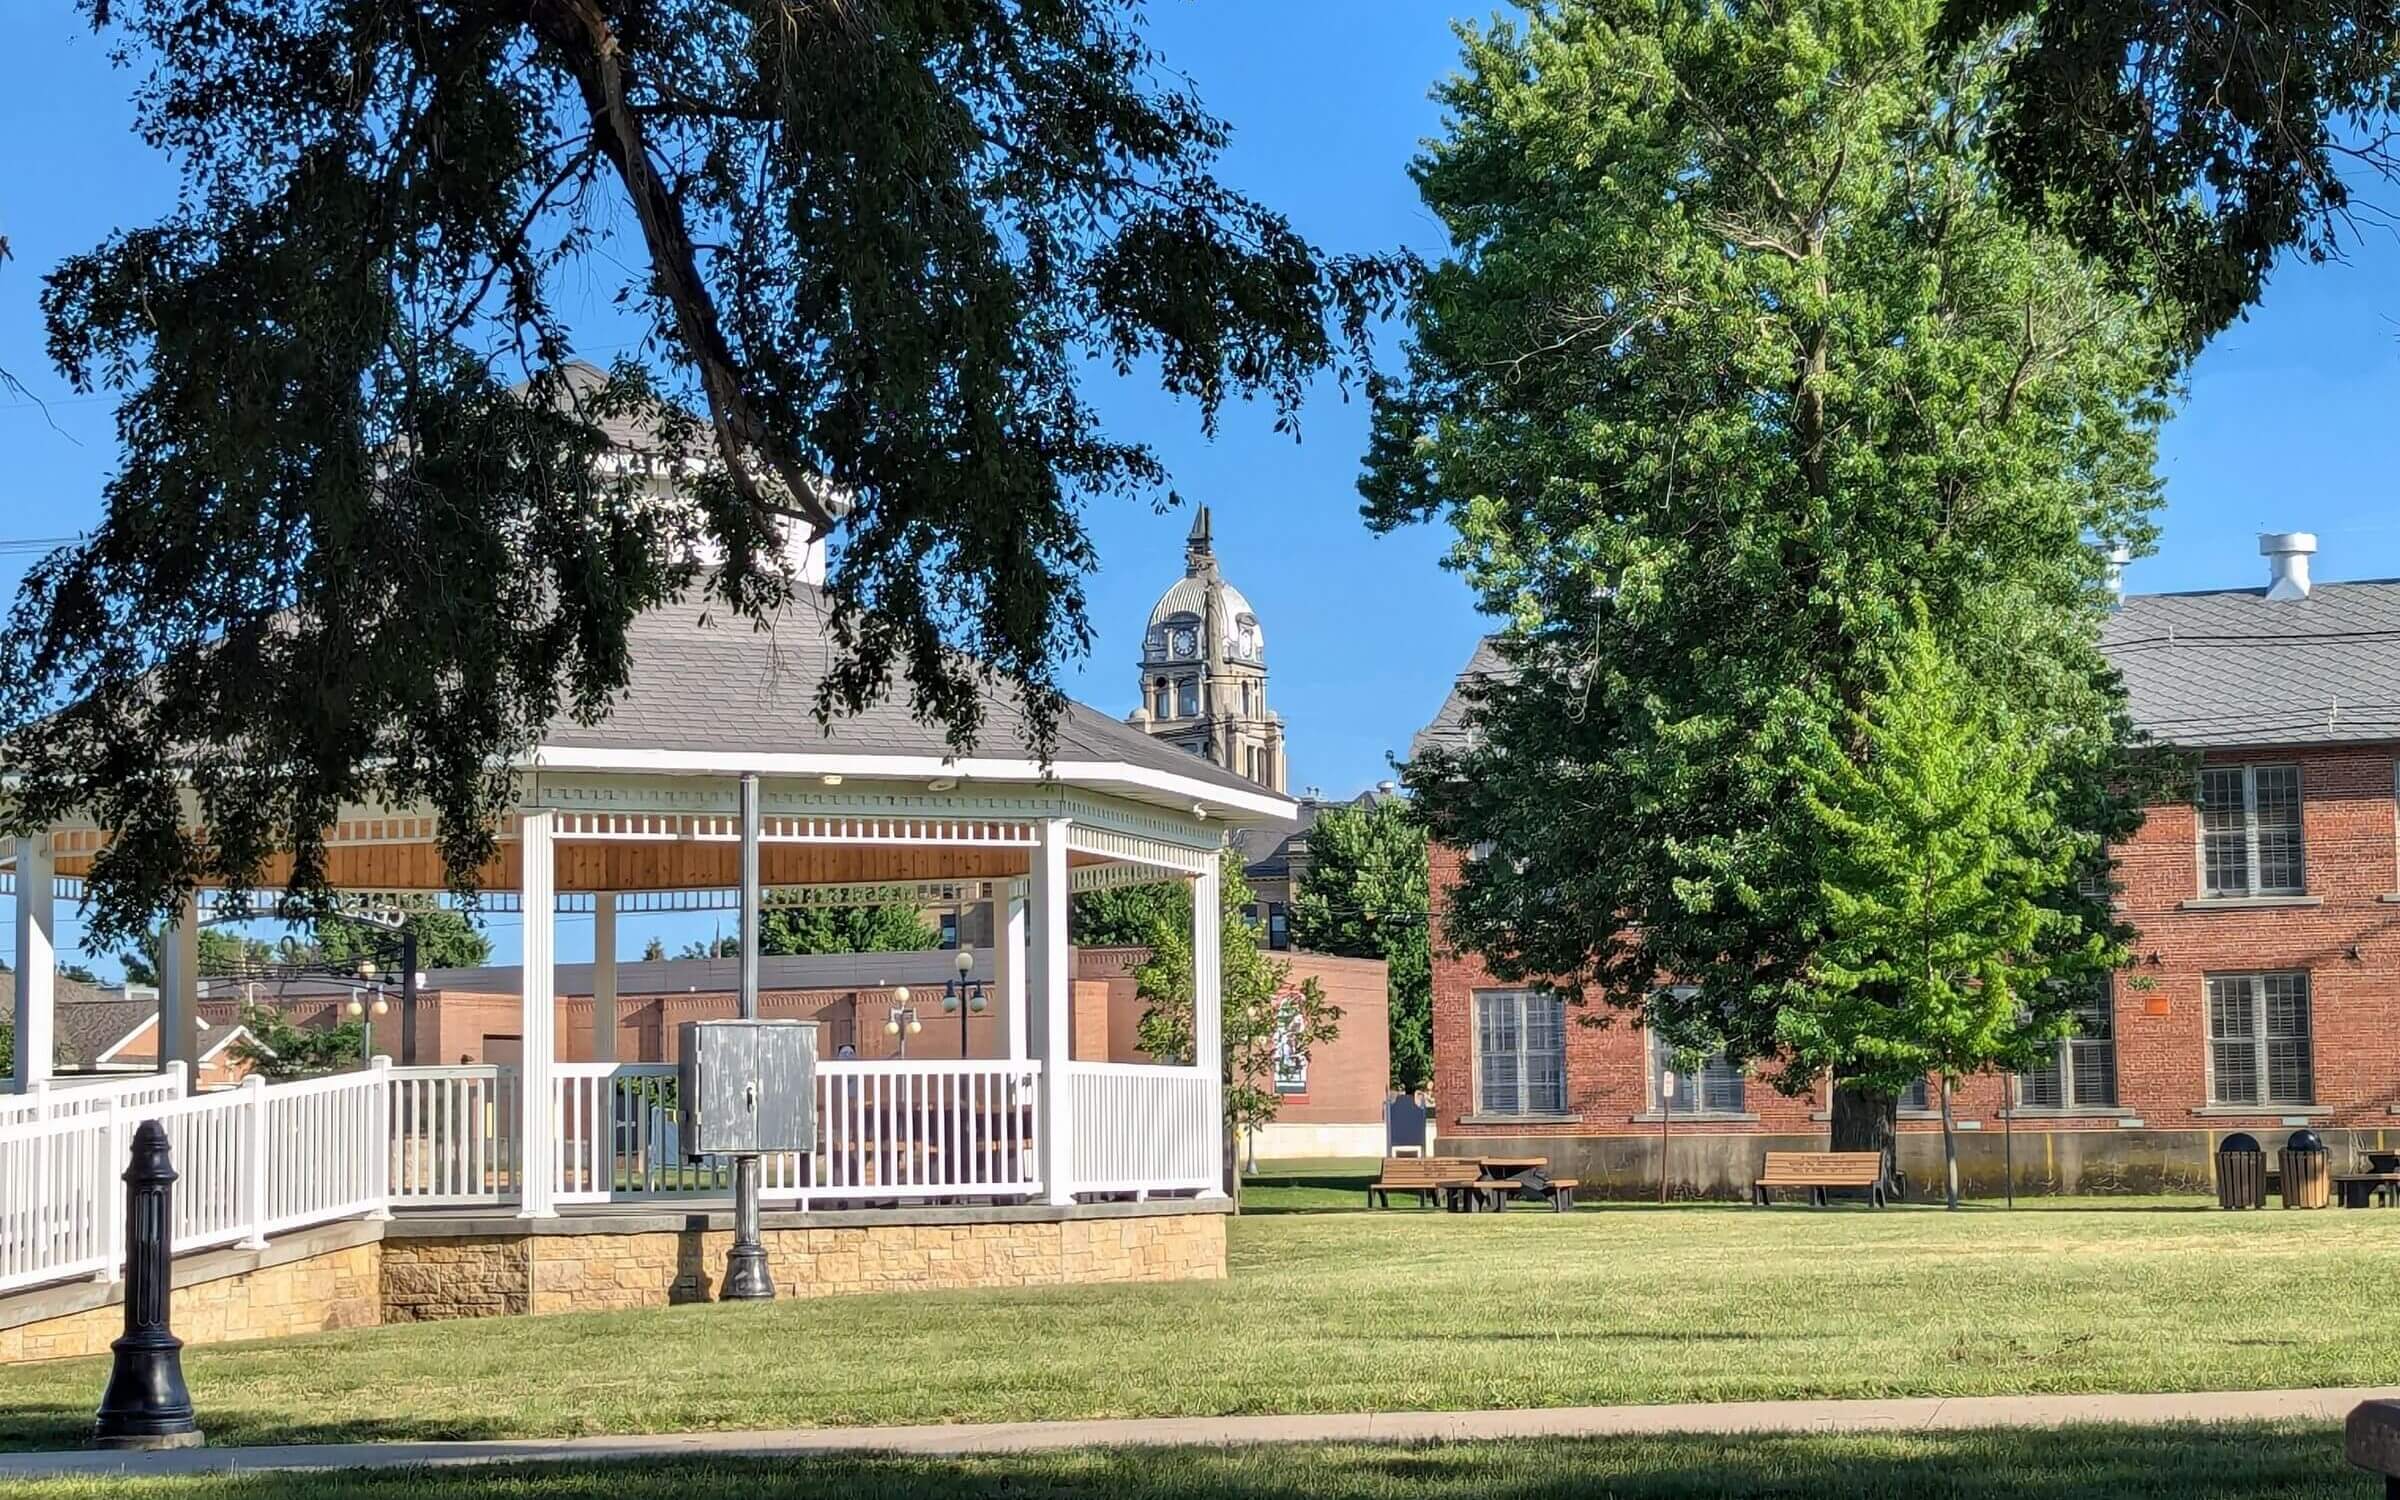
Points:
[655,866]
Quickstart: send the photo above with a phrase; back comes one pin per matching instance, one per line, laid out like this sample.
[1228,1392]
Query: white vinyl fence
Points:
[249,1162]
[1142,1127]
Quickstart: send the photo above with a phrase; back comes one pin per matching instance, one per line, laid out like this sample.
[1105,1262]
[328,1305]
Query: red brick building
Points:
[2262,998]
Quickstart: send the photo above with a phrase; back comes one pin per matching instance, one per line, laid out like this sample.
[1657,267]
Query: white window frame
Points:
[1691,1089]
[2063,1059]
[2259,1038]
[2253,885]
[1522,1105]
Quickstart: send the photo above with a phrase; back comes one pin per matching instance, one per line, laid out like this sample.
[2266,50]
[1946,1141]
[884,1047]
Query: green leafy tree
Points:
[1265,1018]
[445,940]
[1127,916]
[278,1048]
[222,955]
[8,1046]
[1737,354]
[80,972]
[1363,894]
[1941,852]
[830,929]
[866,253]
[653,951]
[2192,144]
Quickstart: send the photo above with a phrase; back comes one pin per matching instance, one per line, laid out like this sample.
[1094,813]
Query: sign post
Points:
[1666,1107]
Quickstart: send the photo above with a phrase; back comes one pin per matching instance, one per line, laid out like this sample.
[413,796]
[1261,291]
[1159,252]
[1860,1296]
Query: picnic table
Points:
[2366,1189]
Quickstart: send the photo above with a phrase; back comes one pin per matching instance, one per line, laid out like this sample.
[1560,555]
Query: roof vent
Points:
[2287,554]
[2118,556]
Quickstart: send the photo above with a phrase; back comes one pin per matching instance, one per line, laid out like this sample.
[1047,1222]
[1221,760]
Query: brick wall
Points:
[2161,1015]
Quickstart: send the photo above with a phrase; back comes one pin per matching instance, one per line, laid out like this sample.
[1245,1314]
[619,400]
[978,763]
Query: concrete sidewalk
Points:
[1924,1414]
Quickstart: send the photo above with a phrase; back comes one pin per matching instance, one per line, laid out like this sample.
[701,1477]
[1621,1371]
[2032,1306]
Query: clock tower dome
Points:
[1204,670]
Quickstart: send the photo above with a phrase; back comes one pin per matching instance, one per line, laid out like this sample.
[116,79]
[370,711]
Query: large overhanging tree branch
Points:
[369,534]
[2191,143]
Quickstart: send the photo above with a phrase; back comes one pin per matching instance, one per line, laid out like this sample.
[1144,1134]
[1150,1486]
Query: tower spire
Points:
[1199,553]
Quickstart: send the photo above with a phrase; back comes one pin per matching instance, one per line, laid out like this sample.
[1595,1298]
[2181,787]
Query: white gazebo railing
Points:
[249,1162]
[1143,1128]
[885,1131]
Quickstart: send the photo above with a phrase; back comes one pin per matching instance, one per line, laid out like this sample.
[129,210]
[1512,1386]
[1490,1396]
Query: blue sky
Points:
[2289,424]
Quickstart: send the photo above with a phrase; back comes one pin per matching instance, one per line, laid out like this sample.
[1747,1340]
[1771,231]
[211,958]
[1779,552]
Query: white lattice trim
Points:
[710,829]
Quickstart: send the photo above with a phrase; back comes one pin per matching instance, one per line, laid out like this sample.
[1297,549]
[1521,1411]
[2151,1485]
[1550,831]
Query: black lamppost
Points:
[964,997]
[146,1404]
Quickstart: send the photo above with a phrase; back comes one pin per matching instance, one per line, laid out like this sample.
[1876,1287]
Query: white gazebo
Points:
[640,812]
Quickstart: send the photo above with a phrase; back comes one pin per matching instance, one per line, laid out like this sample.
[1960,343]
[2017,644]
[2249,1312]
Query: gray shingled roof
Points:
[719,686]
[1448,731]
[2231,667]
[2219,668]
[85,1016]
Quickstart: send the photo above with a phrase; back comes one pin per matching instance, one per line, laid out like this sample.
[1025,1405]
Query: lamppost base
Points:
[150,1442]
[746,1276]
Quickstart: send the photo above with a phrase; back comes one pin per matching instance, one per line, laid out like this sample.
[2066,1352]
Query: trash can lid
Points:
[2236,1143]
[2303,1140]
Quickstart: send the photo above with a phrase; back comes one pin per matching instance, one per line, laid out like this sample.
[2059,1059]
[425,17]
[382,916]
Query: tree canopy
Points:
[1128,916]
[445,940]
[1738,361]
[829,929]
[863,252]
[1363,894]
[2190,143]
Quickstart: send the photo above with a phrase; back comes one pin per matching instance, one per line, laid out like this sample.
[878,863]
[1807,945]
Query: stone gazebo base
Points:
[423,1267]
[487,1264]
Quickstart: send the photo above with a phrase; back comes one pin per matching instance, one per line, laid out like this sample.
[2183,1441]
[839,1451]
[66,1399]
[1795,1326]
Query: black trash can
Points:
[2307,1171]
[2241,1172]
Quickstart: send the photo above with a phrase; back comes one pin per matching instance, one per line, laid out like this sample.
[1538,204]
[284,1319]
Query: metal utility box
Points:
[747,1087]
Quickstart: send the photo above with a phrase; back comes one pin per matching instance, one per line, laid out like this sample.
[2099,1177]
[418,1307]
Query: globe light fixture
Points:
[892,1027]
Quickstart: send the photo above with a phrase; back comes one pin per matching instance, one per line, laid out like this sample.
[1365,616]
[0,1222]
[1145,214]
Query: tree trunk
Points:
[1949,1146]
[1867,1121]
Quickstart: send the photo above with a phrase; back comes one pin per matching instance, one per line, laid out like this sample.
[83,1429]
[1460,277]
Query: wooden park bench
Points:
[1818,1170]
[1428,1177]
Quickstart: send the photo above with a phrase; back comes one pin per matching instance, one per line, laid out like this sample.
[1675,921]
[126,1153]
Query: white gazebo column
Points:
[1051,1007]
[1208,1003]
[1008,969]
[179,991]
[604,977]
[538,1018]
[37,964]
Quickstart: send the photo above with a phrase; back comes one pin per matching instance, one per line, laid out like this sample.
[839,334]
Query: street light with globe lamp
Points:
[964,995]
[902,1021]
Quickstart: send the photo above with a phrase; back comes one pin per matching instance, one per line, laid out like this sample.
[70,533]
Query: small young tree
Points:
[276,1048]
[1267,1020]
[1127,916]
[1945,951]
[1363,894]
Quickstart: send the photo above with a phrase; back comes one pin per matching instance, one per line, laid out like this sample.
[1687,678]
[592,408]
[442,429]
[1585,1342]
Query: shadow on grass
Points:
[2121,1463]
[41,1425]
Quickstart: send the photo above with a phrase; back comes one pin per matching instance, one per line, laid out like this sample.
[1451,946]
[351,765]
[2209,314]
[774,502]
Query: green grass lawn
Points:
[1392,1310]
[2181,1463]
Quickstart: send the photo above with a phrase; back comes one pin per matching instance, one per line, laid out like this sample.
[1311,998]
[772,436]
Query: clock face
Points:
[1184,641]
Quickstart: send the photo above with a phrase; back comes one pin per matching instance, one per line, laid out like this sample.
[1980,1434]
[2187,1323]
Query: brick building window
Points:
[1714,1088]
[1520,1053]
[2082,1073]
[2258,1039]
[1917,1098]
[2250,841]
